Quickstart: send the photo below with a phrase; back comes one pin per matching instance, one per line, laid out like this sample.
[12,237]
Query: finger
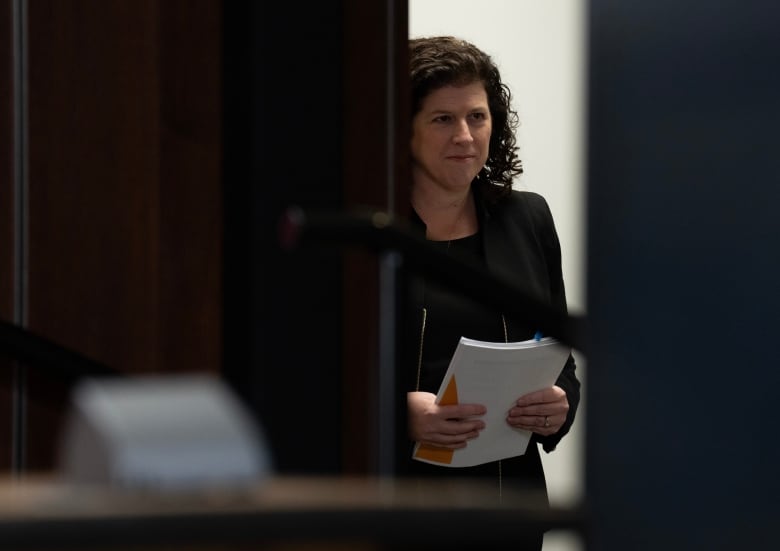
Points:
[558,408]
[533,422]
[543,396]
[450,441]
[456,427]
[462,411]
[528,422]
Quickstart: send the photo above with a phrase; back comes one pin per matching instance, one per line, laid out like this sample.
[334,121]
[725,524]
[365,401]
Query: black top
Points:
[450,316]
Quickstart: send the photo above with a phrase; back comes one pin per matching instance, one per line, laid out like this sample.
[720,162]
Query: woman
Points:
[464,161]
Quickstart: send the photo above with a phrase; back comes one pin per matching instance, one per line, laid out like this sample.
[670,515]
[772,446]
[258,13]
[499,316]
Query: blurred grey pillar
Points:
[20,225]
[683,274]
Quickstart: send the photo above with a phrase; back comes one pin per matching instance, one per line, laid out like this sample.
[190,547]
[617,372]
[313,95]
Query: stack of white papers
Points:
[494,374]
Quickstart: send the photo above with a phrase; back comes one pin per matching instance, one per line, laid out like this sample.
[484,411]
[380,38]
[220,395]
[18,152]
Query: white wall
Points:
[539,46]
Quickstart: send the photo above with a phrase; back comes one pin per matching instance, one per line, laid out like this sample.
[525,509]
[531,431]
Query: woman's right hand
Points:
[442,426]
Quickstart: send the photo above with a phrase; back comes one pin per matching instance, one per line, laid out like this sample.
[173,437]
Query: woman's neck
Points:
[447,215]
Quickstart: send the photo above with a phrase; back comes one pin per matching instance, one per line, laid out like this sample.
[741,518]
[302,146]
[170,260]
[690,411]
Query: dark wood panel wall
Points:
[165,141]
[124,200]
[124,190]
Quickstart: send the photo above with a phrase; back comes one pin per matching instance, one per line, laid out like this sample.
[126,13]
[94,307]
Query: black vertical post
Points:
[282,146]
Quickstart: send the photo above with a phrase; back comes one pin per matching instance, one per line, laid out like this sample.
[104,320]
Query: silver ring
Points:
[546,421]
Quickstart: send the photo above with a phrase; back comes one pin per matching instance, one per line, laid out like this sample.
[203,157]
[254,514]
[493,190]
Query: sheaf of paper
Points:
[494,375]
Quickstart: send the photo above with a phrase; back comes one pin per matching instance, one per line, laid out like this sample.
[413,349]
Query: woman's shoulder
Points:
[526,197]
[526,202]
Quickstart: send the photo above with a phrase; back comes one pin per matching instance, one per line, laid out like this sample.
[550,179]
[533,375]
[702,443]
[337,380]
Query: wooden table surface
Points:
[44,513]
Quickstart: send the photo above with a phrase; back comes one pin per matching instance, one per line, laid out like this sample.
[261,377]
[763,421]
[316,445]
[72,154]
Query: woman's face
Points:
[451,136]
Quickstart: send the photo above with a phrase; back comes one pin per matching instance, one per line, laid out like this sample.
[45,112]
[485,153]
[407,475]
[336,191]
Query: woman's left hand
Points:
[542,412]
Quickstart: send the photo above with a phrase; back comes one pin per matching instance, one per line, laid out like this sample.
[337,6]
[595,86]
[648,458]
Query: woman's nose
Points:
[462,133]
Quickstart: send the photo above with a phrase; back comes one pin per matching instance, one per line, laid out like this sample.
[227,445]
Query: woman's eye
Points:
[479,116]
[442,118]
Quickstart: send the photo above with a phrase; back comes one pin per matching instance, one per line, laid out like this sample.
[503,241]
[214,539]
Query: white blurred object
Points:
[179,432]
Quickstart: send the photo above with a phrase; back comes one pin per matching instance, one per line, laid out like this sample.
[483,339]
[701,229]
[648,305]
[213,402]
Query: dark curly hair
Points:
[440,61]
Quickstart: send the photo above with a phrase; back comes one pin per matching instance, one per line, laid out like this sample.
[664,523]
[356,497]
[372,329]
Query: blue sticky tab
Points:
[538,336]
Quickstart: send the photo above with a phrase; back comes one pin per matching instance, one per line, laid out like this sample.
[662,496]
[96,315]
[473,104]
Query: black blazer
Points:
[520,244]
